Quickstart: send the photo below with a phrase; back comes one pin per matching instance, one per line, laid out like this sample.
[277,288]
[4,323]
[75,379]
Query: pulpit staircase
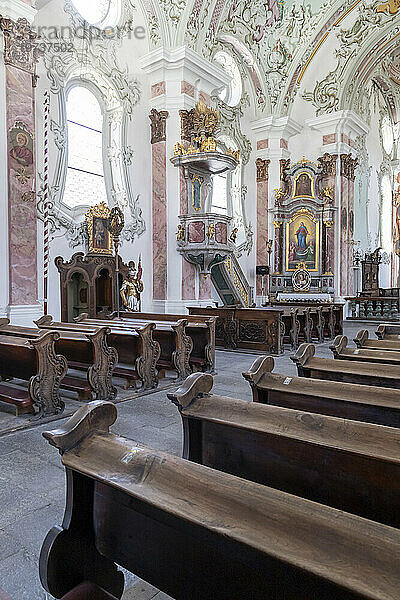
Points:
[231,283]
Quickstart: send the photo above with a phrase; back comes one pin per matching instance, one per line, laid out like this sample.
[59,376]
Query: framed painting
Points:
[100,241]
[302,241]
[303,186]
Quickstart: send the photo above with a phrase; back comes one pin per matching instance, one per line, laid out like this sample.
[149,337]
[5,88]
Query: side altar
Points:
[304,242]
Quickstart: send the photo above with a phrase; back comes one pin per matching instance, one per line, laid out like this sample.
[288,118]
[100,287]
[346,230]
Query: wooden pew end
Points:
[195,386]
[303,354]
[338,345]
[361,337]
[380,332]
[94,417]
[262,365]
[4,322]
[81,317]
[44,321]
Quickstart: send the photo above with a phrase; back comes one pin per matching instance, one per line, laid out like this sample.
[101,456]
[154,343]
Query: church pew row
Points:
[341,351]
[370,404]
[345,464]
[362,340]
[176,339]
[200,328]
[364,373]
[194,532]
[91,351]
[388,332]
[256,329]
[35,361]
[138,352]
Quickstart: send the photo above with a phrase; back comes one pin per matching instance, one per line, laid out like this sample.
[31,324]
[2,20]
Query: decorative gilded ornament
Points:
[180,234]
[279,193]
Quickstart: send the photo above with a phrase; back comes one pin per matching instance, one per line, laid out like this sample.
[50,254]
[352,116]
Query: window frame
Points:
[105,22]
[75,83]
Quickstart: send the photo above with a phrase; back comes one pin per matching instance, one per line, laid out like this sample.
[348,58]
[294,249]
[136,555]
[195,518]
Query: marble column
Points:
[159,202]
[20,58]
[347,176]
[262,216]
[278,248]
[189,273]
[327,162]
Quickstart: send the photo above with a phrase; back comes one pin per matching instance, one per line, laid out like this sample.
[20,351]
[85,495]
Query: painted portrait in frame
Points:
[302,241]
[303,186]
[100,241]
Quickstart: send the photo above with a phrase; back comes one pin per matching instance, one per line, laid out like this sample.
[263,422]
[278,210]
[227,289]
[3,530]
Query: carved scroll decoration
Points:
[184,347]
[146,363]
[44,387]
[104,360]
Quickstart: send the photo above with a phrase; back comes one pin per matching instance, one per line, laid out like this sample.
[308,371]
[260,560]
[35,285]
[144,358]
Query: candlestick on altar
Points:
[46,225]
[115,225]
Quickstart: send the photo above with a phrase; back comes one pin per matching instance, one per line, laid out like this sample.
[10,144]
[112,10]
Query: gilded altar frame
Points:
[100,241]
[303,212]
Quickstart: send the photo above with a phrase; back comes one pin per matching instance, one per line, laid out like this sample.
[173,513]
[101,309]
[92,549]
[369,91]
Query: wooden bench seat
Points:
[346,464]
[388,332]
[19,397]
[201,330]
[85,351]
[176,346]
[341,351]
[79,386]
[136,348]
[370,404]
[200,534]
[364,373]
[36,361]
[362,340]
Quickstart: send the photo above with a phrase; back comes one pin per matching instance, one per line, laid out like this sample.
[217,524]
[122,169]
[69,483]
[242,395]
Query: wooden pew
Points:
[369,404]
[89,352]
[388,332]
[138,352]
[332,316]
[257,329]
[200,328]
[364,373]
[341,351]
[362,340]
[345,464]
[200,534]
[34,361]
[176,346]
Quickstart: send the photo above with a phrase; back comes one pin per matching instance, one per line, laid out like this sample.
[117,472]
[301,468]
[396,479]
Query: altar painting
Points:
[302,242]
[303,186]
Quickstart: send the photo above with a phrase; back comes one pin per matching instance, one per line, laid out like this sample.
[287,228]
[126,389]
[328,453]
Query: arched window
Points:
[386,220]
[220,194]
[232,93]
[387,135]
[100,13]
[85,183]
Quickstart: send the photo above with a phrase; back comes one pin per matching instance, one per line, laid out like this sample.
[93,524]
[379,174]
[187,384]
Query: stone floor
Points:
[32,479]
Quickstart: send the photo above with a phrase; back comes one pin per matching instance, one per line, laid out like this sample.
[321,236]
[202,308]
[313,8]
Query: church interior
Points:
[200,299]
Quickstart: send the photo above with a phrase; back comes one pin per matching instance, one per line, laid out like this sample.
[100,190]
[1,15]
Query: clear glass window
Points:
[100,13]
[85,185]
[387,135]
[232,93]
[219,199]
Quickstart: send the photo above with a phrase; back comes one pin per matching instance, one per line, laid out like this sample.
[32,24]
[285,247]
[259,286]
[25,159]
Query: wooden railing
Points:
[379,307]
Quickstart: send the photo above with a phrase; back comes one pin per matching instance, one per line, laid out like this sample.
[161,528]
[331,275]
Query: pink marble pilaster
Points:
[159,209]
[262,216]
[21,182]
[205,287]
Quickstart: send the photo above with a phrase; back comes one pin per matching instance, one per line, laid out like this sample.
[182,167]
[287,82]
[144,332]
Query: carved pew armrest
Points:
[338,345]
[195,386]
[93,417]
[303,354]
[262,365]
[361,338]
